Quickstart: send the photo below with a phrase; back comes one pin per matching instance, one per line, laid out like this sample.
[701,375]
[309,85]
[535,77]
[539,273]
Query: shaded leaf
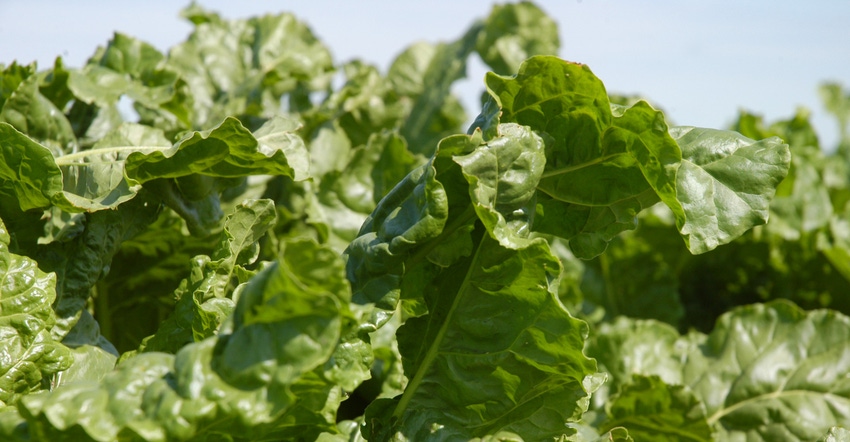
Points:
[653,410]
[215,386]
[766,372]
[203,298]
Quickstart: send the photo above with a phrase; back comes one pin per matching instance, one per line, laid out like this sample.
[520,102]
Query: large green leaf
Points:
[601,168]
[724,184]
[605,164]
[109,174]
[766,372]
[471,303]
[497,352]
[30,355]
[224,385]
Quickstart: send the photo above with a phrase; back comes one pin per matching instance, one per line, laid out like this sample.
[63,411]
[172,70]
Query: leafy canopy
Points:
[267,254]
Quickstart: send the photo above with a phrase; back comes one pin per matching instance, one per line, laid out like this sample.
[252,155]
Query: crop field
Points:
[282,247]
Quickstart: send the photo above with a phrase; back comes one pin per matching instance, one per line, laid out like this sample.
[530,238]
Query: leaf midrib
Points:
[719,414]
[434,348]
[68,160]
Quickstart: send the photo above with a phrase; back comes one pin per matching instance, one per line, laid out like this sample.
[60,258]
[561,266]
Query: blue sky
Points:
[700,61]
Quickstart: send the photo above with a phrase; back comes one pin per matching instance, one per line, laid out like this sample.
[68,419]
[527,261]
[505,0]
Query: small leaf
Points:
[503,174]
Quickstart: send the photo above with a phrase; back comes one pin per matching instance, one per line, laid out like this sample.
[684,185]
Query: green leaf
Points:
[627,347]
[85,258]
[837,102]
[412,214]
[633,277]
[23,106]
[373,170]
[203,298]
[513,33]
[496,352]
[587,434]
[244,67]
[98,85]
[503,175]
[423,129]
[228,150]
[766,372]
[725,184]
[605,164]
[54,85]
[601,169]
[224,385]
[11,78]
[94,356]
[836,434]
[780,370]
[30,355]
[94,179]
[653,410]
[28,171]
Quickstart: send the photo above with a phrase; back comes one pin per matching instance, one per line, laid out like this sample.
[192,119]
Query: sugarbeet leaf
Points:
[761,374]
[270,254]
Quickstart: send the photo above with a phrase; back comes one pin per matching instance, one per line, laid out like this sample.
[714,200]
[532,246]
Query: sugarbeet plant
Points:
[276,247]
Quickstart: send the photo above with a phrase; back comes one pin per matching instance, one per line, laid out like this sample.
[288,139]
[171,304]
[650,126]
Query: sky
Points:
[699,61]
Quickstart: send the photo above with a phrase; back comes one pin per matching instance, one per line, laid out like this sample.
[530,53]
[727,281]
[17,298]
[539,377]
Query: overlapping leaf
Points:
[475,303]
[223,384]
[497,349]
[204,299]
[604,164]
[109,174]
[766,372]
[653,410]
[30,355]
[503,175]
